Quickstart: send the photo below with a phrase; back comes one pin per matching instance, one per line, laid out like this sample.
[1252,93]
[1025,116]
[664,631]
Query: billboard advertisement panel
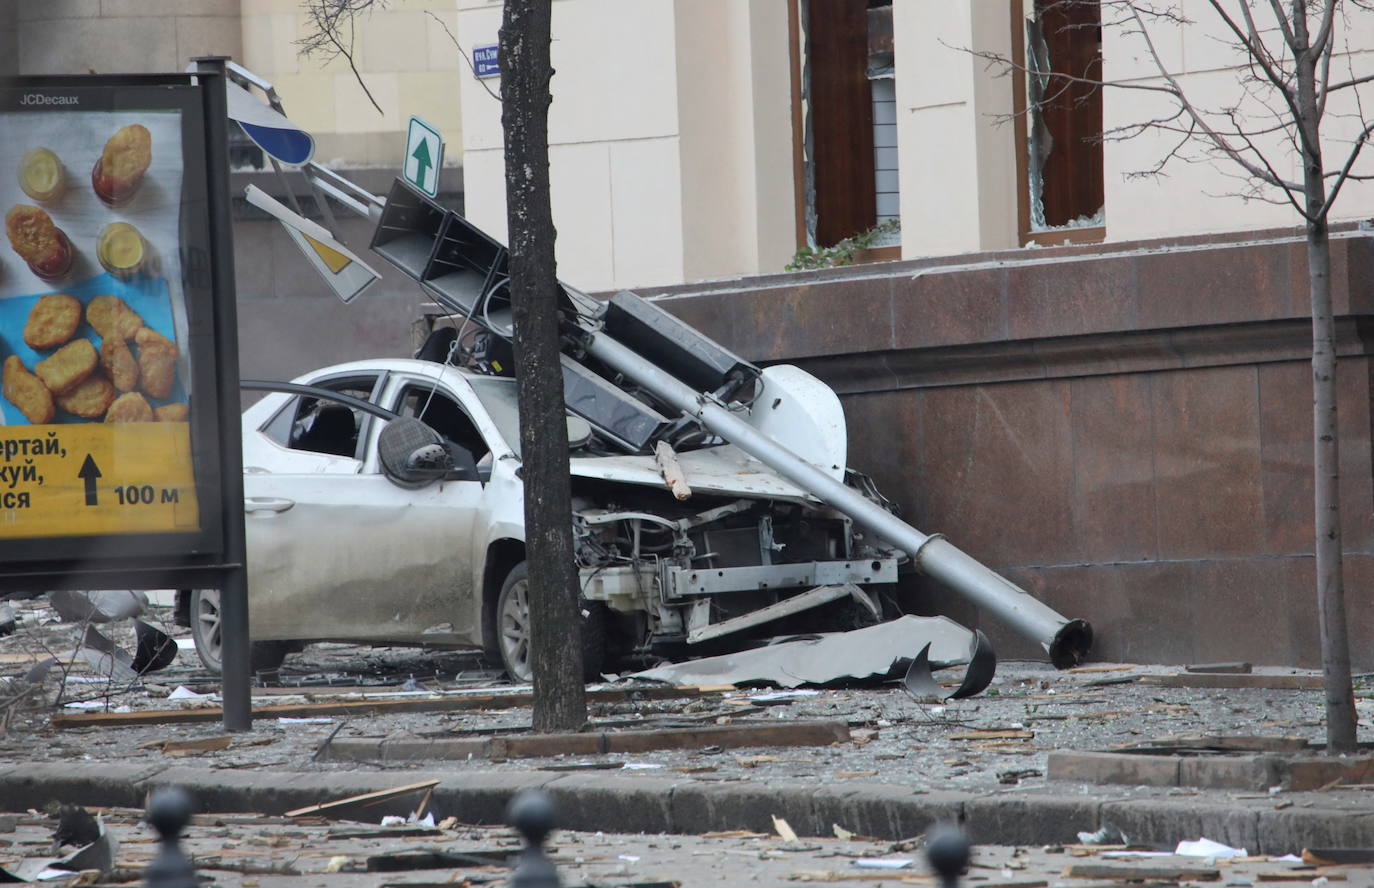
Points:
[108,409]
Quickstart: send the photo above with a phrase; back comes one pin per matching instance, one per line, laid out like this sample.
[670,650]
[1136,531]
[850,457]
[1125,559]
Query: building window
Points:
[1059,119]
[850,129]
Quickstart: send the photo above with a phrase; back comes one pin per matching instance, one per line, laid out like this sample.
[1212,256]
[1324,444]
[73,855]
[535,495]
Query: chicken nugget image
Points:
[27,392]
[39,242]
[90,399]
[112,318]
[177,411]
[157,358]
[130,407]
[119,364]
[125,158]
[68,366]
[52,320]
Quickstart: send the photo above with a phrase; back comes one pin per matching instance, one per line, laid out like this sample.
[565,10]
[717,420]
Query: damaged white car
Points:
[365,526]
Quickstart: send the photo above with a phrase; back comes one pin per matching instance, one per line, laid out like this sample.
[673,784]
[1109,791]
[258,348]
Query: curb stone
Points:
[880,809]
[1029,820]
[1144,819]
[1253,772]
[638,804]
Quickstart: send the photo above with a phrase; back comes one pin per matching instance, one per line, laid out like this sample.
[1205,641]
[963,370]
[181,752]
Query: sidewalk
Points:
[995,761]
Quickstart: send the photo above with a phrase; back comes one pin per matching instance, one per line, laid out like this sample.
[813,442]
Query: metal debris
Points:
[875,651]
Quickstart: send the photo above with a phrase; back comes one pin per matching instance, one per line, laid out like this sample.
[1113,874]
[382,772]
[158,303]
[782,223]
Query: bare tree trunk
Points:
[1340,702]
[1326,466]
[555,623]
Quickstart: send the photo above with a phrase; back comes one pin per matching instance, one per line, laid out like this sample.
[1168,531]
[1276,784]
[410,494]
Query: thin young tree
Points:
[1296,81]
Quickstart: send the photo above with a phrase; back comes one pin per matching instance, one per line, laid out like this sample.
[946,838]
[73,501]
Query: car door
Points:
[339,552]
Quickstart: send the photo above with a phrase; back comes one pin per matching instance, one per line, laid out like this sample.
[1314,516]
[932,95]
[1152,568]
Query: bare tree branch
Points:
[329,20]
[1344,175]
[463,52]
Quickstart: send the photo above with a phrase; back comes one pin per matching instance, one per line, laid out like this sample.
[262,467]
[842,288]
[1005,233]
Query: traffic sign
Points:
[424,156]
[269,129]
[344,272]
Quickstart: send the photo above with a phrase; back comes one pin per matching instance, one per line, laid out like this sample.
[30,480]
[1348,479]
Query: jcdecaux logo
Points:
[40,99]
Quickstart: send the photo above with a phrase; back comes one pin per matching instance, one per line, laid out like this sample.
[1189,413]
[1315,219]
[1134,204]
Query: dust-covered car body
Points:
[339,550]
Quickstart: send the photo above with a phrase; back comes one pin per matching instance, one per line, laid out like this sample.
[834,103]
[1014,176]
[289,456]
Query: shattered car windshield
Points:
[498,397]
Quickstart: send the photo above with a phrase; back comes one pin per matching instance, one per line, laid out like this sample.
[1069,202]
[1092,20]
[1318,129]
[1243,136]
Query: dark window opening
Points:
[842,198]
[318,425]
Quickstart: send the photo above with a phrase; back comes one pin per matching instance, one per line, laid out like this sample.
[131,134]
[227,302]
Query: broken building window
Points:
[1063,114]
[850,142]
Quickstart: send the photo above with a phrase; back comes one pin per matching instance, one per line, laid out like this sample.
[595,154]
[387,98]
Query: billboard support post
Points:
[234,591]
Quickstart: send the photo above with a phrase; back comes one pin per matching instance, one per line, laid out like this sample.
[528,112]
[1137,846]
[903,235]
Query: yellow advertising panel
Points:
[81,480]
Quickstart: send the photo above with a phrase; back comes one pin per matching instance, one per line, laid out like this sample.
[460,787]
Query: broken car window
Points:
[439,412]
[318,425]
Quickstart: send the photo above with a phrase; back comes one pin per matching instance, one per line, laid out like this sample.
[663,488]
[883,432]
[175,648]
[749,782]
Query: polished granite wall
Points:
[1124,431]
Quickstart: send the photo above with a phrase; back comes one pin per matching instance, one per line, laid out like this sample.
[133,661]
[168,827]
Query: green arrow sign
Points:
[421,155]
[424,156]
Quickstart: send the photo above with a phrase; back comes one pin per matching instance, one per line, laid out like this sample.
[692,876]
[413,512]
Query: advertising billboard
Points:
[108,402]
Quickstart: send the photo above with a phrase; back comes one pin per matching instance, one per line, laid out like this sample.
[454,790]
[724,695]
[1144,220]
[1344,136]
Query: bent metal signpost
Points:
[119,446]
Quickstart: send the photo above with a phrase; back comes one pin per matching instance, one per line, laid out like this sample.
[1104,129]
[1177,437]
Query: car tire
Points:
[513,630]
[263,656]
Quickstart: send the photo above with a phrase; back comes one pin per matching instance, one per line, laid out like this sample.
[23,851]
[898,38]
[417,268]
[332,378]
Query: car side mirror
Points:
[464,466]
[412,454]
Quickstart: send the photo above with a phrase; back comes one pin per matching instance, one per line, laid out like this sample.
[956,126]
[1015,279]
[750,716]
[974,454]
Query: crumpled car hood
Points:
[719,470]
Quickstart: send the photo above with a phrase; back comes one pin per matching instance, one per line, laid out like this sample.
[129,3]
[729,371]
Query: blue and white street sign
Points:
[486,61]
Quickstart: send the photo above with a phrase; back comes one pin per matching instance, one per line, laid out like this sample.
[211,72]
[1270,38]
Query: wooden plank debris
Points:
[1089,670]
[1298,875]
[1008,734]
[1232,668]
[1337,856]
[1231,743]
[190,747]
[1134,872]
[1222,681]
[362,707]
[783,829]
[672,472]
[364,800]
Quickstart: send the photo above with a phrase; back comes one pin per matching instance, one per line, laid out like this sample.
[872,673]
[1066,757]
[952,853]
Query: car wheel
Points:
[513,629]
[263,656]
